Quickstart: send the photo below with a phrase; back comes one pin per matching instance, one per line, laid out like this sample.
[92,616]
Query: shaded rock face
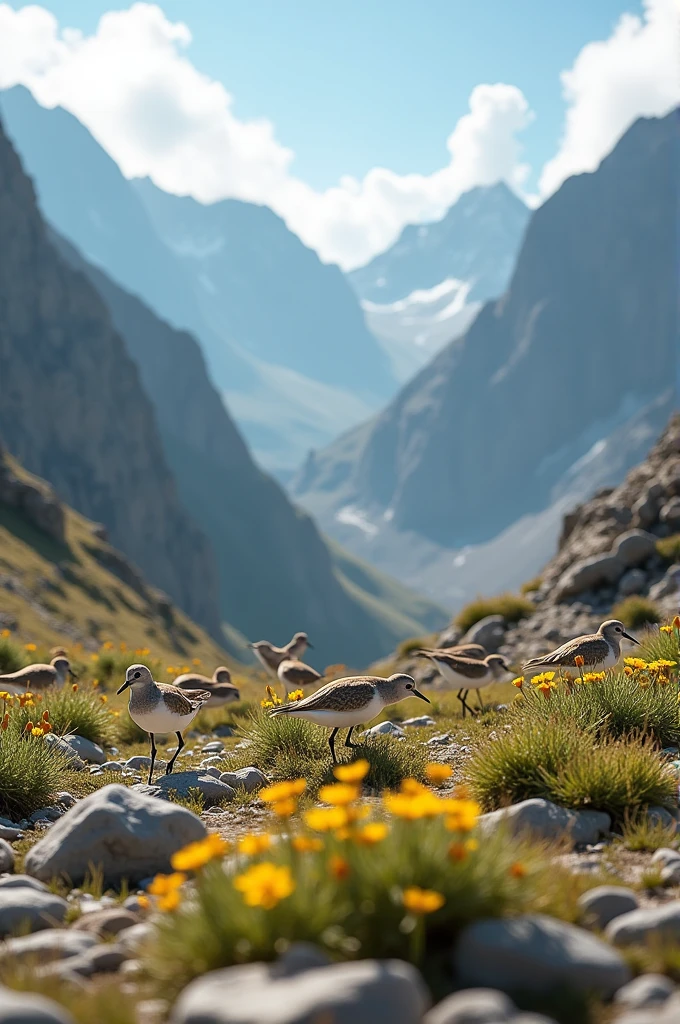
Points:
[74,412]
[483,436]
[35,501]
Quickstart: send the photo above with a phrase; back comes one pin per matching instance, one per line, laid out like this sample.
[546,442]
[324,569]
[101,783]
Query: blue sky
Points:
[366,83]
[349,120]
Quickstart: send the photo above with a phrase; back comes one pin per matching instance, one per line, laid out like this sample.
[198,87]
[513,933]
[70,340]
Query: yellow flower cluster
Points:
[196,855]
[264,885]
[422,901]
[271,700]
[416,801]
[283,796]
[166,889]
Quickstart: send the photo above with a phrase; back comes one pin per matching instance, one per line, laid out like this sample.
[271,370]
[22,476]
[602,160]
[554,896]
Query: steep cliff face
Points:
[276,572]
[74,412]
[583,343]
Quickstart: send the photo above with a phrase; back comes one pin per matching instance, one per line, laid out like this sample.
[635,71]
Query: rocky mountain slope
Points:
[62,582]
[283,334]
[276,573]
[73,410]
[427,288]
[554,391]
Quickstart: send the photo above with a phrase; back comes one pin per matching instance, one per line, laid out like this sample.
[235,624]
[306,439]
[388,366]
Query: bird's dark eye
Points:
[409,686]
[137,675]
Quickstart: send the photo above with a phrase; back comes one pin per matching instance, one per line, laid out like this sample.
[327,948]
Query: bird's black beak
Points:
[629,637]
[123,687]
[310,645]
[72,674]
[417,693]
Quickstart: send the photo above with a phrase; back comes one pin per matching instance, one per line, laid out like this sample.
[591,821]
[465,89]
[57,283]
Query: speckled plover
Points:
[600,651]
[469,673]
[271,657]
[37,677]
[220,687]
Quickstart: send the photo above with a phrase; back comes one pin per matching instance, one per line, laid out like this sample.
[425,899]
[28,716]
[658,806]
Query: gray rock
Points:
[588,574]
[46,814]
[634,547]
[6,857]
[215,772]
[132,939]
[384,729]
[670,584]
[99,959]
[646,509]
[123,833]
[210,762]
[72,759]
[670,514]
[548,821]
[661,922]
[182,782]
[361,992]
[300,956]
[660,816]
[661,1013]
[140,761]
[107,922]
[86,749]
[224,730]
[633,581]
[537,953]
[112,766]
[645,990]
[9,833]
[489,632]
[23,1008]
[665,855]
[601,905]
[419,723]
[214,747]
[52,944]
[26,909]
[251,779]
[22,882]
[473,1006]
[670,874]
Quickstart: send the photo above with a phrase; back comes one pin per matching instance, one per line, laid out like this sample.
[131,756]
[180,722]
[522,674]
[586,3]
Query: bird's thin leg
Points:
[180,744]
[465,703]
[480,701]
[459,695]
[331,744]
[153,758]
[348,738]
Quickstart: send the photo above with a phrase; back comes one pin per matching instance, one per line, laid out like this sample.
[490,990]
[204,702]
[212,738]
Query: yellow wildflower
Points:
[459,851]
[171,670]
[123,646]
[284,808]
[169,902]
[543,677]
[461,815]
[296,695]
[636,663]
[660,664]
[274,697]
[354,772]
[594,677]
[338,793]
[326,819]
[579,661]
[372,833]
[422,901]
[143,901]
[437,773]
[30,647]
[266,704]
[107,645]
[162,885]
[412,787]
[282,791]
[676,622]
[425,805]
[8,697]
[196,662]
[628,670]
[518,682]
[665,629]
[103,698]
[252,845]
[546,688]
[5,633]
[338,867]
[74,687]
[264,885]
[306,844]
[37,731]
[197,855]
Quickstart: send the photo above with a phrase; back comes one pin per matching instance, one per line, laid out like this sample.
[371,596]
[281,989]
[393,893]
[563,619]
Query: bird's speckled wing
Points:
[300,675]
[468,667]
[593,649]
[348,694]
[183,702]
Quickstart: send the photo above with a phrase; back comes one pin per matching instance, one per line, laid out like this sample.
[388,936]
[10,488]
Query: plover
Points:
[351,701]
[38,677]
[220,687]
[469,673]
[161,708]
[600,651]
[475,651]
[271,657]
[295,675]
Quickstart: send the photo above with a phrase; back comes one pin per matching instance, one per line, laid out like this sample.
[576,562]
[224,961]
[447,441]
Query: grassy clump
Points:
[105,1003]
[31,770]
[552,758]
[411,644]
[512,607]
[635,612]
[615,707]
[81,711]
[669,548]
[286,748]
[531,586]
[350,896]
[640,832]
[11,656]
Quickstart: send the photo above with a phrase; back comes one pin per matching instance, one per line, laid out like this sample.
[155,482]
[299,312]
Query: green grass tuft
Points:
[635,612]
[669,548]
[532,585]
[31,771]
[640,832]
[81,711]
[512,607]
[11,656]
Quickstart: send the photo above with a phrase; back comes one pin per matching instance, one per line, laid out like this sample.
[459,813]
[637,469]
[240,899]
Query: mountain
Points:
[73,410]
[276,573]
[555,390]
[426,289]
[63,583]
[283,334]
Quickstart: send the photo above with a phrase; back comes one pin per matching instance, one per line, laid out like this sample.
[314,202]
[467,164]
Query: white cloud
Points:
[633,73]
[133,86]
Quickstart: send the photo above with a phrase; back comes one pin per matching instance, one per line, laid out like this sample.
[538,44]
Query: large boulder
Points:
[589,574]
[537,953]
[24,909]
[122,833]
[361,992]
[655,924]
[26,1008]
[6,857]
[489,632]
[86,749]
[634,547]
[602,904]
[546,820]
[182,783]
